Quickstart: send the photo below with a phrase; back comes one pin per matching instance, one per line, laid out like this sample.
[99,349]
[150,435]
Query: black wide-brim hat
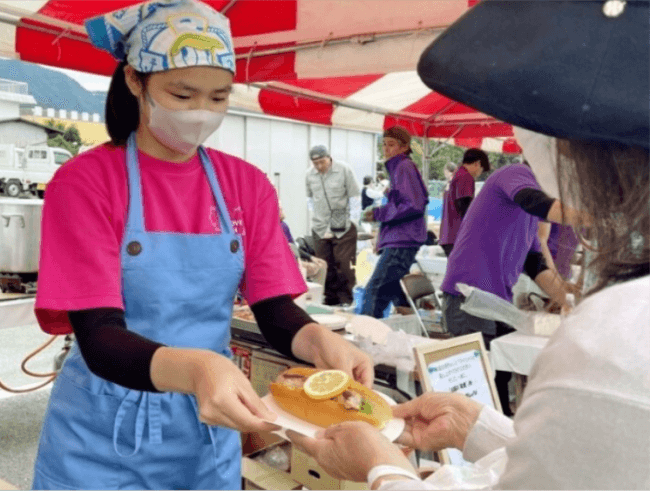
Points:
[570,69]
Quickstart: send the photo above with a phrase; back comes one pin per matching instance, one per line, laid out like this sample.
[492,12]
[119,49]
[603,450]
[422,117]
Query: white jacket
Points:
[584,422]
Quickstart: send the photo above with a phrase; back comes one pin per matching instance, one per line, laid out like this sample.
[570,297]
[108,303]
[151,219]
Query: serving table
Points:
[516,352]
[16,310]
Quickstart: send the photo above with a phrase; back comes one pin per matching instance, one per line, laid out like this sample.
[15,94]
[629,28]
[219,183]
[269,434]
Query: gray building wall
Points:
[280,148]
[22,134]
[9,109]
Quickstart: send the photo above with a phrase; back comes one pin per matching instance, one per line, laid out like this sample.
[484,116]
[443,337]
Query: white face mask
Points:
[541,153]
[182,131]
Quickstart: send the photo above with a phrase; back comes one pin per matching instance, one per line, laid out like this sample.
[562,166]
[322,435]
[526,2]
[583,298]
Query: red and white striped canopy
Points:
[344,63]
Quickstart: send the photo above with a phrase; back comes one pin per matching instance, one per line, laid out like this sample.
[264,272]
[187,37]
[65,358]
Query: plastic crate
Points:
[410,325]
[407,323]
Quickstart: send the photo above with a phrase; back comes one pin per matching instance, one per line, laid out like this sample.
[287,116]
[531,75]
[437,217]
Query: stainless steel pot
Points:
[20,234]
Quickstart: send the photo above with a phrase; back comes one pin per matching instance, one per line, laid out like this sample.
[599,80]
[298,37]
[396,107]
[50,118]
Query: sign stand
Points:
[460,365]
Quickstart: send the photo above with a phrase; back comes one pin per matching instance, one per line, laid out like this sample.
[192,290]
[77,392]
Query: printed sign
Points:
[461,373]
[457,365]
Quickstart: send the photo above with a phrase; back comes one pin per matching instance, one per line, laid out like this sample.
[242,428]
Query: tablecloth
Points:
[516,352]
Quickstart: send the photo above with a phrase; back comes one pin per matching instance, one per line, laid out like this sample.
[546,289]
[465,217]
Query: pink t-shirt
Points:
[84,216]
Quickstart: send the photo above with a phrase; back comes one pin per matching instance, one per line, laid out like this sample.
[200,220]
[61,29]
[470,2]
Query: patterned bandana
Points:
[165,34]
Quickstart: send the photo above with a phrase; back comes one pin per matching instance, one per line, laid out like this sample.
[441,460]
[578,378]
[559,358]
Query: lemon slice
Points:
[326,384]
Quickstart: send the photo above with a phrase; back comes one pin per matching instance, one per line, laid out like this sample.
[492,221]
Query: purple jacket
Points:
[403,218]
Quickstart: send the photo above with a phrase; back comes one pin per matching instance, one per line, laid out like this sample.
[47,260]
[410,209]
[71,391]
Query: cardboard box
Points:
[258,475]
[254,442]
[4,485]
[242,354]
[306,471]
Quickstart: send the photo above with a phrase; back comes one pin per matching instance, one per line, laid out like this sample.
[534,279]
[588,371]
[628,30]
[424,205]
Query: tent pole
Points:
[425,157]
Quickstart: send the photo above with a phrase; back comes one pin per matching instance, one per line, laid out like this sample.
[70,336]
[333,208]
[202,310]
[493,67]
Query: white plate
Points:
[392,430]
[331,321]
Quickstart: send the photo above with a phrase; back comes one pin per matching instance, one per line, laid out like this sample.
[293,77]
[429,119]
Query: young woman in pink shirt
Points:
[145,242]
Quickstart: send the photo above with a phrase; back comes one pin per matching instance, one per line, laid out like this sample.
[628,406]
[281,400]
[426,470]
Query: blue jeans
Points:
[383,286]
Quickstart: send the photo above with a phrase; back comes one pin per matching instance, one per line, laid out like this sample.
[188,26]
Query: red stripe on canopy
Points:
[306,108]
[295,107]
[511,146]
[252,17]
[49,49]
[468,142]
[262,68]
[336,86]
[270,16]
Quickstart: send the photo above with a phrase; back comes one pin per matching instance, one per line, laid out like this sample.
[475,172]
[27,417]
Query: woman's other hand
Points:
[318,345]
[350,450]
[435,421]
[224,395]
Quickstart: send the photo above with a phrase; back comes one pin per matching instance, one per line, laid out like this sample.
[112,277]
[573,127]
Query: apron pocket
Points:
[76,442]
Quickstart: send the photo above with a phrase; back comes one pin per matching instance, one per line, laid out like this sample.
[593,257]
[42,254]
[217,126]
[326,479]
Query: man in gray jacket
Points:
[333,190]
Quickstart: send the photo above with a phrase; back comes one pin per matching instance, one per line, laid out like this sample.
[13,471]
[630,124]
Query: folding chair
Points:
[415,287]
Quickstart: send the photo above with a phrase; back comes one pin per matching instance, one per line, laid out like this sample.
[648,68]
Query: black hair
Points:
[122,107]
[367,180]
[474,154]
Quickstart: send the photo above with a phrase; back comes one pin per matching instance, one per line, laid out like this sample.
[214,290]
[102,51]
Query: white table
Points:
[516,353]
[16,310]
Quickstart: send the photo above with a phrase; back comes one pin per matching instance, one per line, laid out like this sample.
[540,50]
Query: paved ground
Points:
[21,414]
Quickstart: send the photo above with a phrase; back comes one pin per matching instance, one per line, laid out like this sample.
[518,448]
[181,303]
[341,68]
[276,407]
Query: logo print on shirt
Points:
[237,217]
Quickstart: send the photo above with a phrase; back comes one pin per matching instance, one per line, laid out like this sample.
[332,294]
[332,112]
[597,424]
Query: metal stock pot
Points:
[20,234]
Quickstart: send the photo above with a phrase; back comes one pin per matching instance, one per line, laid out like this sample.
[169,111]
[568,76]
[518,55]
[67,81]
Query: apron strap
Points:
[148,404]
[135,218]
[222,209]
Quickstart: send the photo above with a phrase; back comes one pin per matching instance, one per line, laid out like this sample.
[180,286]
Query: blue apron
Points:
[178,289]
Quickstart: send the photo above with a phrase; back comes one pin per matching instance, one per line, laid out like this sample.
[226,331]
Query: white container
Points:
[314,295]
[433,265]
[20,234]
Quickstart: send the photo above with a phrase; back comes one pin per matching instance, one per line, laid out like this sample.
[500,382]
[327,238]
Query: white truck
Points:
[28,169]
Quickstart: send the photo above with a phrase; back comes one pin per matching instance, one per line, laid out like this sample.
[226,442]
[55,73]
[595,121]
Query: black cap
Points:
[570,69]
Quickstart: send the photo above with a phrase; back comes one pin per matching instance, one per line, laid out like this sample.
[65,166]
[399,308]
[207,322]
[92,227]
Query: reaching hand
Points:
[226,398]
[325,349]
[350,450]
[435,421]
[336,352]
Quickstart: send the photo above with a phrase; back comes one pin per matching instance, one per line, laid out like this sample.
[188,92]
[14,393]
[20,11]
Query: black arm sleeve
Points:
[462,204]
[279,319]
[111,351]
[534,202]
[534,264]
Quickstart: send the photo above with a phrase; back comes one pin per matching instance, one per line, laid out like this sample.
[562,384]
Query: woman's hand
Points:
[437,420]
[224,395]
[318,345]
[350,450]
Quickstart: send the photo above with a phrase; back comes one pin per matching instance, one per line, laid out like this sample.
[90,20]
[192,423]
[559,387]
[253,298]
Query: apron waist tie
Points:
[210,429]
[213,438]
[148,407]
[203,425]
